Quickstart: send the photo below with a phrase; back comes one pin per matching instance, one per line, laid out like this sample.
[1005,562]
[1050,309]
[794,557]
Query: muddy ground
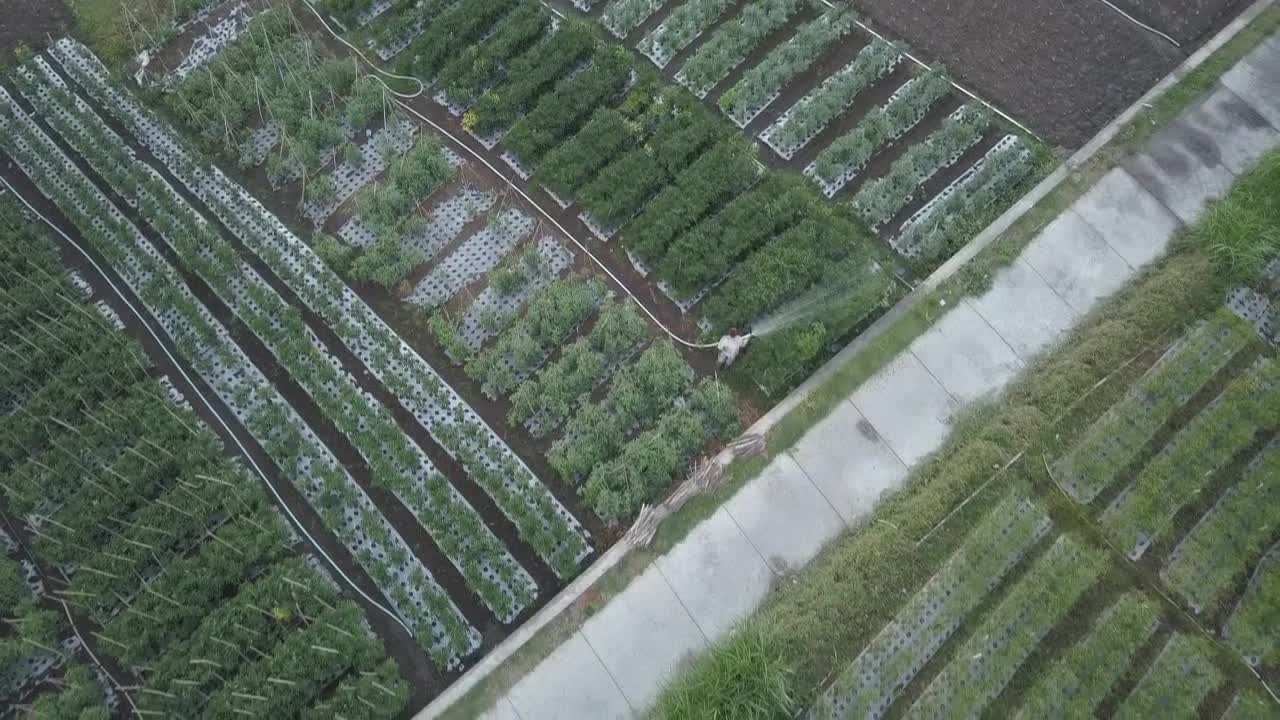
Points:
[1064,67]
[29,23]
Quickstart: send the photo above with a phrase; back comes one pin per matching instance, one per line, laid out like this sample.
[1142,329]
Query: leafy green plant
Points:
[734,41]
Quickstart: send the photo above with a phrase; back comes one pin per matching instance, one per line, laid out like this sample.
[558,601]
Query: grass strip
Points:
[1079,681]
[1250,404]
[988,660]
[1182,676]
[1112,442]
[1205,566]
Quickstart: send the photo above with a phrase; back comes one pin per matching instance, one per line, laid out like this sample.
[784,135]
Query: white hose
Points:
[1139,23]
[212,411]
[401,97]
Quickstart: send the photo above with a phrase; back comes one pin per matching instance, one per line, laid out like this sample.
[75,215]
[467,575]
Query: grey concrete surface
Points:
[966,355]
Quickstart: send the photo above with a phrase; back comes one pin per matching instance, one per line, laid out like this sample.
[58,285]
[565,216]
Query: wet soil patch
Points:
[1064,68]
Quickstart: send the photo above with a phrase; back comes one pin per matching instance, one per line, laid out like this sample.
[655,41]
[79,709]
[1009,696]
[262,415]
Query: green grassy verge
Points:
[1181,676]
[1079,681]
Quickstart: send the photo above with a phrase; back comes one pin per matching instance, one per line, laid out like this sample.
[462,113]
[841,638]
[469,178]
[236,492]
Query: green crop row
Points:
[637,397]
[985,663]
[813,112]
[623,16]
[823,246]
[718,175]
[1250,405]
[448,35]
[481,65]
[734,41]
[1181,676]
[1207,564]
[685,23]
[868,686]
[881,125]
[572,164]
[644,466]
[763,81]
[1252,627]
[1114,440]
[561,387]
[552,317]
[529,76]
[1079,681]
[880,199]
[560,112]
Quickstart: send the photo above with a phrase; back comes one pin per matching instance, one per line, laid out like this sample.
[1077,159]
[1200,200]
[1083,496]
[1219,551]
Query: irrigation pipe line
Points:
[71,621]
[400,100]
[1140,24]
[212,411]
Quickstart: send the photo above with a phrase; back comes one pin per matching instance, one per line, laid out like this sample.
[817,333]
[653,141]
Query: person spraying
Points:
[730,346]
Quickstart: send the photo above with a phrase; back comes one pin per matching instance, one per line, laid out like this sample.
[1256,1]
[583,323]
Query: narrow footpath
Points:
[615,665]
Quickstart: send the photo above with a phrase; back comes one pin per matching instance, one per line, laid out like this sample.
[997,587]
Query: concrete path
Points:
[616,664]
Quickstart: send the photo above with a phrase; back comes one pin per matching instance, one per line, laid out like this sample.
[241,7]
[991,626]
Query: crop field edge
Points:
[911,317]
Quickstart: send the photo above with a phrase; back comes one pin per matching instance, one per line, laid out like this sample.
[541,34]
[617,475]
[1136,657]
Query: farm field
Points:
[134,546]
[1102,542]
[444,280]
[1013,53]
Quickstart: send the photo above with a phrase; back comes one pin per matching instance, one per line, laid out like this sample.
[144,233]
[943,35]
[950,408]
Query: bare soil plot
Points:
[29,23]
[1065,69]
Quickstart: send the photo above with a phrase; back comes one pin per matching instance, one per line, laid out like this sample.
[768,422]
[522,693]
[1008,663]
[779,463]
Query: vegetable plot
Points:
[763,83]
[685,23]
[733,42]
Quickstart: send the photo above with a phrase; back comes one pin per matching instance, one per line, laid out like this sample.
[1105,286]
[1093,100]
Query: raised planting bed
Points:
[1116,438]
[763,83]
[479,67]
[944,224]
[296,450]
[684,25]
[204,48]
[706,252]
[360,165]
[647,464]
[447,33]
[510,287]
[868,687]
[1206,565]
[572,164]
[637,397]
[734,41]
[985,663]
[1145,510]
[544,401]
[553,316]
[713,179]
[562,111]
[1077,683]
[880,199]
[396,464]
[802,122]
[529,76]
[1251,627]
[622,16]
[1182,675]
[540,520]
[473,258]
[843,159]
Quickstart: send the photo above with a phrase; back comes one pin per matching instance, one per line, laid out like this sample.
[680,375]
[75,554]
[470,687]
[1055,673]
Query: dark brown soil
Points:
[1190,22]
[761,51]
[831,61]
[1063,68]
[30,23]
